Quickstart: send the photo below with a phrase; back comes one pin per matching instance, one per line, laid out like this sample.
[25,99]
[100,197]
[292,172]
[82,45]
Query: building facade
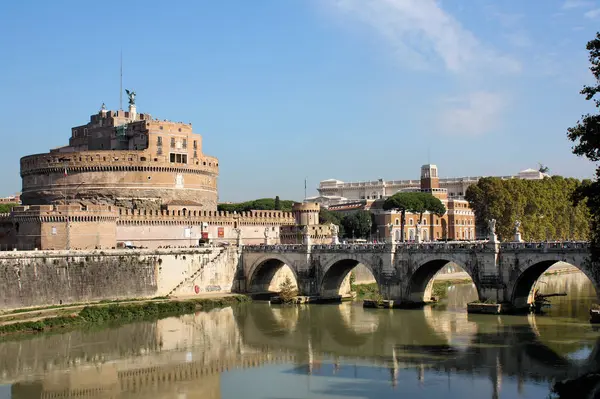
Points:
[458,223]
[125,159]
[333,191]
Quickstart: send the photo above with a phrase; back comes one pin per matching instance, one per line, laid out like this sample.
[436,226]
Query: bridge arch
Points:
[419,286]
[523,278]
[338,267]
[262,272]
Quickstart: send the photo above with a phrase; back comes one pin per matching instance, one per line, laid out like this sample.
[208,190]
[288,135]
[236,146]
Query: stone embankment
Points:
[46,278]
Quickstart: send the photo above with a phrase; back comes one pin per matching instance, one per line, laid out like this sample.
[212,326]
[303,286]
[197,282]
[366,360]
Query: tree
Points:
[327,217]
[357,224]
[586,136]
[277,205]
[287,290]
[261,204]
[544,208]
[413,202]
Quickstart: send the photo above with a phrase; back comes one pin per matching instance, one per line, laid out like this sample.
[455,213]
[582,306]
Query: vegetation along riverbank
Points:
[98,314]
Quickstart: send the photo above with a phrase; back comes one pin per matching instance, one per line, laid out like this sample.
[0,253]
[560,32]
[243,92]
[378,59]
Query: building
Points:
[11,199]
[333,191]
[306,216]
[126,179]
[457,224]
[125,159]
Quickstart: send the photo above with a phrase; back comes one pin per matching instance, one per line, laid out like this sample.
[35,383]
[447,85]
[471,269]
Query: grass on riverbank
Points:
[104,314]
[366,291]
[50,307]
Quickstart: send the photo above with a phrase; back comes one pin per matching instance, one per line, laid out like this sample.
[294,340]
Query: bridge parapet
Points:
[275,248]
[452,246]
[353,248]
[577,246]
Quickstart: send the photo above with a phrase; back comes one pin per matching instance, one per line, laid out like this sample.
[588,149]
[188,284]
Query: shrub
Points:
[287,291]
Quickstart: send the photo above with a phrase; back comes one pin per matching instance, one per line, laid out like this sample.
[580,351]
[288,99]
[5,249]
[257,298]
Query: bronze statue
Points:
[131,95]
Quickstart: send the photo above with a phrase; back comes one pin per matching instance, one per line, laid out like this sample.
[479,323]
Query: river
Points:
[318,351]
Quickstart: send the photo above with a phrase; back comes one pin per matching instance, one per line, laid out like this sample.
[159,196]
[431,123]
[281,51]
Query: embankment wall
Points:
[42,278]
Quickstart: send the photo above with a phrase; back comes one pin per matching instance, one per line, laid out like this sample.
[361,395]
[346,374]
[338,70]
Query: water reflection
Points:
[262,351]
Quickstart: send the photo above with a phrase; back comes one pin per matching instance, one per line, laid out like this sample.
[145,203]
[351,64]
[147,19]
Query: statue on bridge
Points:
[238,236]
[492,230]
[335,231]
[517,231]
[266,234]
[418,232]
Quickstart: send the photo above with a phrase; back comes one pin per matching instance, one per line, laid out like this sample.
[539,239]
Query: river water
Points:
[321,351]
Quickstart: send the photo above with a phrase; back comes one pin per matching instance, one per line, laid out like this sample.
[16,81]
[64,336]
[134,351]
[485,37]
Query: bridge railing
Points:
[542,246]
[275,248]
[366,247]
[444,246]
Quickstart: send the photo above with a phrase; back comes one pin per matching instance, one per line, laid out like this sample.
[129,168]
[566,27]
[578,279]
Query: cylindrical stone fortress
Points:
[126,159]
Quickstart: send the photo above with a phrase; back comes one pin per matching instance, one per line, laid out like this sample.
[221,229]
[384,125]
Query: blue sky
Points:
[287,90]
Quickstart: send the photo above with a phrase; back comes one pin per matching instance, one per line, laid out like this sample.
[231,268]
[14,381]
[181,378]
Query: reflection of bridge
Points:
[404,272]
[188,354]
[424,338]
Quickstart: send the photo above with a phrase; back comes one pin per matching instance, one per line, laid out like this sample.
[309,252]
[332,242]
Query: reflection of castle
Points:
[126,177]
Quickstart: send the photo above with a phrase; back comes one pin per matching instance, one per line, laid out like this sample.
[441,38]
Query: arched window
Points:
[424,223]
[410,222]
[397,222]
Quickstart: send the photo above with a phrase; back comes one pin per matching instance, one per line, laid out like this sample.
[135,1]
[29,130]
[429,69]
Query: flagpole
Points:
[305,188]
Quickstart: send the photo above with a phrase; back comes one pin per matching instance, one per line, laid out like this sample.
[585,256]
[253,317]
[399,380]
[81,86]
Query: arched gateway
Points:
[504,272]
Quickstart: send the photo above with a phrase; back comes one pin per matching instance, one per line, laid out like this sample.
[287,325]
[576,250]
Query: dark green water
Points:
[326,351]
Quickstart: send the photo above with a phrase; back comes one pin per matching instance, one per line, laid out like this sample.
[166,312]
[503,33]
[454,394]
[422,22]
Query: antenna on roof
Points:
[121,84]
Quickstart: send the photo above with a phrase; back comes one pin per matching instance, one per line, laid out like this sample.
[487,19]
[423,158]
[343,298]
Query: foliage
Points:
[326,217]
[543,207]
[357,224]
[365,291]
[287,290]
[6,208]
[413,202]
[262,204]
[277,204]
[100,314]
[586,136]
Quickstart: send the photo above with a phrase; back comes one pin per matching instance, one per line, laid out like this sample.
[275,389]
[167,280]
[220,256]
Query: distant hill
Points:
[262,204]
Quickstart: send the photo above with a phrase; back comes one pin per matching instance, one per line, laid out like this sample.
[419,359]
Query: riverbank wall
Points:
[43,278]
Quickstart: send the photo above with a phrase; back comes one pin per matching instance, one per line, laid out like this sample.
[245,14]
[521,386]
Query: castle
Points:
[128,179]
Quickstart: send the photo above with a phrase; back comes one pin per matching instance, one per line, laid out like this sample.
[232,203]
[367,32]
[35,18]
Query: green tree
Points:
[326,217]
[261,204]
[413,202]
[543,207]
[586,136]
[6,208]
[357,224]
[277,204]
[287,290]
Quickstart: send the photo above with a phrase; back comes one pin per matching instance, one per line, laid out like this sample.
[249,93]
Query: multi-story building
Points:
[126,159]
[333,191]
[457,224]
[126,178]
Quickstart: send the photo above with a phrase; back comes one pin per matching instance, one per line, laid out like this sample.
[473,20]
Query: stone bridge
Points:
[505,272]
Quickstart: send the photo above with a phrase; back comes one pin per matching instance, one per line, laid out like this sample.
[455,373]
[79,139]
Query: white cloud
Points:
[570,4]
[593,14]
[473,114]
[423,34]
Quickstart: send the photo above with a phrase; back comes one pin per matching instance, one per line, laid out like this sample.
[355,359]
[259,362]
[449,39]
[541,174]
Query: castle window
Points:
[397,222]
[195,145]
[142,159]
[74,132]
[180,129]
[204,163]
[159,151]
[172,157]
[161,128]
[159,141]
[172,142]
[195,154]
[85,132]
[184,158]
[410,222]
[184,143]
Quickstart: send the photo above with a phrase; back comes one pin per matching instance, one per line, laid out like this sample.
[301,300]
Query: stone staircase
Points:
[205,261]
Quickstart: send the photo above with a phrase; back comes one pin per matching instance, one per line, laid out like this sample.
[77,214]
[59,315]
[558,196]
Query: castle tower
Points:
[429,177]
[306,214]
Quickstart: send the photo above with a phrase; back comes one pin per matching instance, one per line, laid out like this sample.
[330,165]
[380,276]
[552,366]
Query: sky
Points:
[295,90]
